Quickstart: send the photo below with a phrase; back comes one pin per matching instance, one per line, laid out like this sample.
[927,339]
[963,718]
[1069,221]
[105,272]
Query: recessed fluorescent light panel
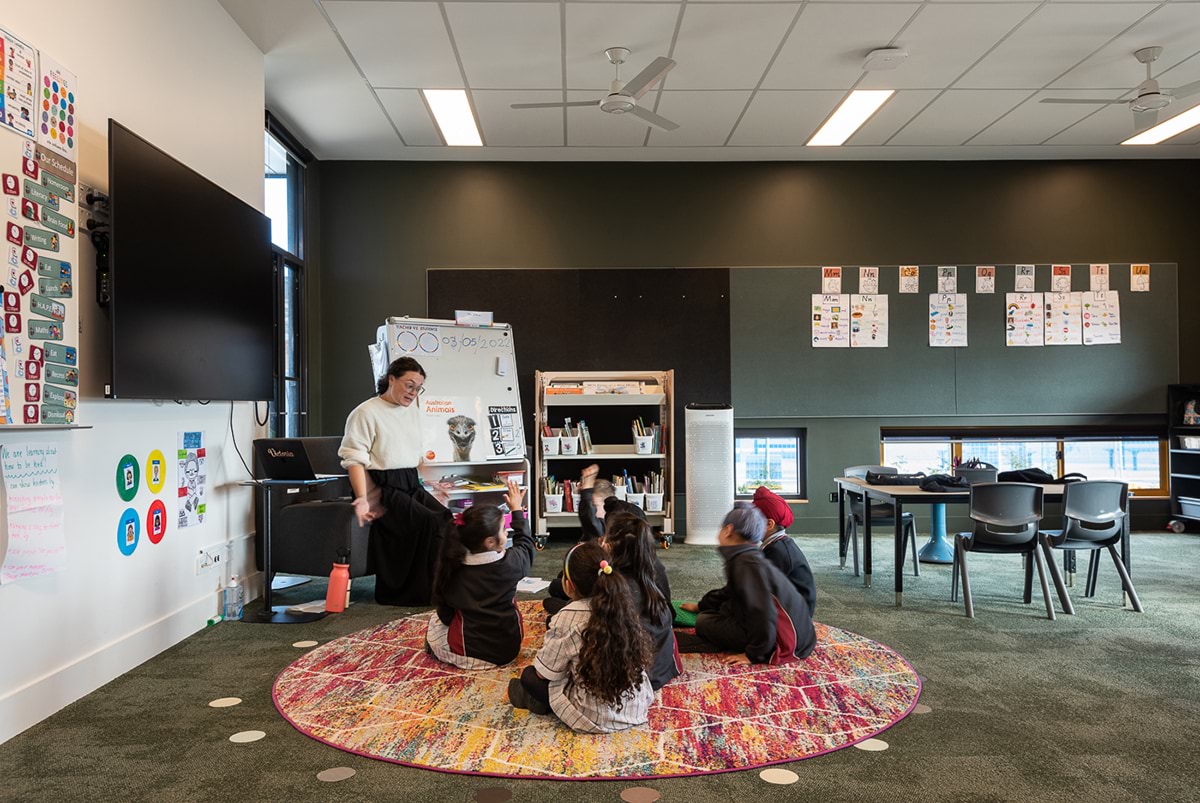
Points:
[1167,128]
[855,110]
[453,115]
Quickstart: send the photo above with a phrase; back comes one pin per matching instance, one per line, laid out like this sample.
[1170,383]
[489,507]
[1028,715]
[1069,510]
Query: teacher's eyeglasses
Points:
[409,387]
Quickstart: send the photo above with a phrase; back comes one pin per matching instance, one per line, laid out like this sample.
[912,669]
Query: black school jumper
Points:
[758,612]
[593,527]
[480,610]
[783,552]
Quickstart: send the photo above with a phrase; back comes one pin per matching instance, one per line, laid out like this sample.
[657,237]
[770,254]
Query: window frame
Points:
[801,436]
[1060,437]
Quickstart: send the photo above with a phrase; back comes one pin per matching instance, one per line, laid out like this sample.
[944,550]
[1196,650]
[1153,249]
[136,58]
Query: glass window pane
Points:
[911,458]
[291,301]
[1134,462]
[276,194]
[1013,455]
[770,461]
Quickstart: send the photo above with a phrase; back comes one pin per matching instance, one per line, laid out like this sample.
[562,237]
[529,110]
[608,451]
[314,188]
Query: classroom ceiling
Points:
[754,79]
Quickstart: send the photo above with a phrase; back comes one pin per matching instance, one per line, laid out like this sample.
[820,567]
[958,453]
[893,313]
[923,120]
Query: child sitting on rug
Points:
[591,671]
[779,548]
[759,615]
[476,624]
[631,543]
[597,499]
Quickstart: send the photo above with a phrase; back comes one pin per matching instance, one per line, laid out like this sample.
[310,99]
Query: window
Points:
[771,457]
[1138,463]
[284,175]
[1097,453]
[1012,455]
[909,457]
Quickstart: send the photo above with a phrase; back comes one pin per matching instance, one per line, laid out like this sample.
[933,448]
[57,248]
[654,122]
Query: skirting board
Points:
[28,705]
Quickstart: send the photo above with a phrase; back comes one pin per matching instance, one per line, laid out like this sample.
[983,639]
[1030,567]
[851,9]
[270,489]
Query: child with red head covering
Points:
[779,548]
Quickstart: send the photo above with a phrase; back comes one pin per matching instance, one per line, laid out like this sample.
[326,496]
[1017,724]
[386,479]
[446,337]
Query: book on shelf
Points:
[613,388]
[564,390]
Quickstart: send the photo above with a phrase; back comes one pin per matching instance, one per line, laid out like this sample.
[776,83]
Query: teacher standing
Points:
[381,451]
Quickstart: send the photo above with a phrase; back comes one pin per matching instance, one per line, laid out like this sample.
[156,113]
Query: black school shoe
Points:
[520,698]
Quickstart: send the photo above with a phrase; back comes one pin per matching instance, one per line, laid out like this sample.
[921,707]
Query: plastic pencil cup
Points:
[550,444]
[619,492]
[569,444]
[643,444]
[554,503]
[575,502]
[654,503]
[637,500]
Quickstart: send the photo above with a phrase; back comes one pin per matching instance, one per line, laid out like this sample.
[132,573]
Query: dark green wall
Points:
[382,224]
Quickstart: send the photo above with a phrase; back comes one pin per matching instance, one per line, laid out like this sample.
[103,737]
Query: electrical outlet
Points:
[209,559]
[833,496]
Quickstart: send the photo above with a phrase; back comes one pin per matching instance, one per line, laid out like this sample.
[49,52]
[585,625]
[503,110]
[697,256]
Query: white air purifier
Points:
[710,482]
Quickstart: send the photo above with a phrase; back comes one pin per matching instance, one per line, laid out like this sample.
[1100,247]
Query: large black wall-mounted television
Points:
[192,285]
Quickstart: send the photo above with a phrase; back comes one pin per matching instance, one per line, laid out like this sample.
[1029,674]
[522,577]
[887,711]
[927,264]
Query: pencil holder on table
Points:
[654,503]
[643,444]
[554,503]
[569,444]
[550,444]
[636,499]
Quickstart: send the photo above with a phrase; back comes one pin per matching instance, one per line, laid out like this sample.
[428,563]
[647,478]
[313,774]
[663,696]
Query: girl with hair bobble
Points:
[476,624]
[591,671]
[631,543]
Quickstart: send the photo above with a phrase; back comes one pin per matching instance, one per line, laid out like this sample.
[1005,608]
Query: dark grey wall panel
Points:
[777,372]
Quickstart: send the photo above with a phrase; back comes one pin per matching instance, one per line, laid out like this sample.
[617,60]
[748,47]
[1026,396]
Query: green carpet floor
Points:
[1102,706]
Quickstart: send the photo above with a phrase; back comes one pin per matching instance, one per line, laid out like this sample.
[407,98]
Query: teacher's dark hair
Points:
[398,368]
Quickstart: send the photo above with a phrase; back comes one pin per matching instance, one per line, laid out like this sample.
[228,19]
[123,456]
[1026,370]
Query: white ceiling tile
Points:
[957,116]
[1183,73]
[1112,125]
[705,118]
[944,40]
[900,108]
[827,47]
[1034,121]
[311,83]
[590,126]
[1174,27]
[408,112]
[503,125]
[1055,39]
[397,44]
[785,117]
[508,45]
[645,28]
[727,46]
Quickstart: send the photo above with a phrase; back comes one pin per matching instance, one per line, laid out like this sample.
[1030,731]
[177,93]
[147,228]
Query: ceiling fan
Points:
[623,97]
[1150,99]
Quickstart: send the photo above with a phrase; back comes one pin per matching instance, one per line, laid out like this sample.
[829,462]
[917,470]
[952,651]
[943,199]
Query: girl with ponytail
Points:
[476,624]
[632,545]
[591,672]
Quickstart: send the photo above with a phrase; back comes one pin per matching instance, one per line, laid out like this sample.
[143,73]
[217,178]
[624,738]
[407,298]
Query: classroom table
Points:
[900,495]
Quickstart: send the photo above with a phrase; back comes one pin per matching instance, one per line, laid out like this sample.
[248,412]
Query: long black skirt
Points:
[405,541]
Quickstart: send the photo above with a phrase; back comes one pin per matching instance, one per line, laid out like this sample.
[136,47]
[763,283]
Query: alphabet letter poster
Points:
[948,320]
[1023,325]
[830,321]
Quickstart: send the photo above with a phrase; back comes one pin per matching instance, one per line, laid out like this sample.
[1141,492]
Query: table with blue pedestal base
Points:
[897,496]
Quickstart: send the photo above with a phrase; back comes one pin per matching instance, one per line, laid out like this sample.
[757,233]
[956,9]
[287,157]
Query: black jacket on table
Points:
[781,550]
[765,604]
[481,609]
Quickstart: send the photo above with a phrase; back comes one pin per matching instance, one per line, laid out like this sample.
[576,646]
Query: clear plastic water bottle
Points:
[233,600]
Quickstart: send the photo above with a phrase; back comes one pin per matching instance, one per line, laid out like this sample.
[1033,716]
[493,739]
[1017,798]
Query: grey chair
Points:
[1094,516]
[311,528]
[882,515]
[1006,517]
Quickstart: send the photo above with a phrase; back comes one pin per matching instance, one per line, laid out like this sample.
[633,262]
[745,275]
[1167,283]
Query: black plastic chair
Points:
[1006,516]
[1094,516]
[882,515]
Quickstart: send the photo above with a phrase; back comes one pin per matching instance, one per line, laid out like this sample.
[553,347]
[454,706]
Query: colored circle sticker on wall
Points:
[128,477]
[156,521]
[156,471]
[129,530]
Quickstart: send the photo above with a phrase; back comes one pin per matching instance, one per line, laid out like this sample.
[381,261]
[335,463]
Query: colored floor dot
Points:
[872,745]
[780,777]
[335,774]
[225,702]
[242,737]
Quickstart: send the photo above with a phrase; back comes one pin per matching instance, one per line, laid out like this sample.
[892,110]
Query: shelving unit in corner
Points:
[559,395]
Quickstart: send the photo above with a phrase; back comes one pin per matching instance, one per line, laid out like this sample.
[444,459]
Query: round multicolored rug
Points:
[376,693]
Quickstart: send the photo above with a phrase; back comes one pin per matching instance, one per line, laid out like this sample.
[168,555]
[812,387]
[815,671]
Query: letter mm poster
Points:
[193,479]
[831,321]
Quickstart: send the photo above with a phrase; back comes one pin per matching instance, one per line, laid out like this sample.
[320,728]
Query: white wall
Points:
[184,76]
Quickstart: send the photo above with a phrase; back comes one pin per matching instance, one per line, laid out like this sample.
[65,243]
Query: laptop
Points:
[286,459]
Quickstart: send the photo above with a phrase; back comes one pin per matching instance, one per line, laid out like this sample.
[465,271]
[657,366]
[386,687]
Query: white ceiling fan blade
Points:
[555,105]
[1144,120]
[653,119]
[1185,90]
[1083,101]
[640,84]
